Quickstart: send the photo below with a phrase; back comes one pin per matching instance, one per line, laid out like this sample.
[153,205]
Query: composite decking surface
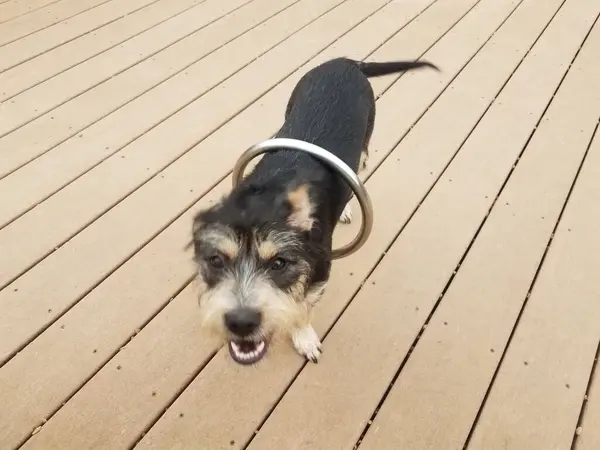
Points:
[471,317]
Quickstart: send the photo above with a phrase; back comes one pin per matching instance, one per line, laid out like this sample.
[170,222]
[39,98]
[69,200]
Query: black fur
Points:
[332,106]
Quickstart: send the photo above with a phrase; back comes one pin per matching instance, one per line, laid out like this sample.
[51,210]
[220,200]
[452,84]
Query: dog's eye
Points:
[216,262]
[278,264]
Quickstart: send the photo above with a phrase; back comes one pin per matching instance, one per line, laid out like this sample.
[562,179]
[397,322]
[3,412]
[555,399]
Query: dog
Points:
[263,254]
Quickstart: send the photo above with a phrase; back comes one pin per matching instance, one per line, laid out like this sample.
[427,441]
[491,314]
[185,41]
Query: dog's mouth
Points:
[247,351]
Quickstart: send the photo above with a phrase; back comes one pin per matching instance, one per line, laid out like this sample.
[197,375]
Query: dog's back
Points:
[332,106]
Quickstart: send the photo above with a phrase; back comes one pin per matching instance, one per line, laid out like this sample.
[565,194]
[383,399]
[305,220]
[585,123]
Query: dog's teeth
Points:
[242,355]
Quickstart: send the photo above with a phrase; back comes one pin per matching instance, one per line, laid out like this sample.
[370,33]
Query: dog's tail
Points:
[375,69]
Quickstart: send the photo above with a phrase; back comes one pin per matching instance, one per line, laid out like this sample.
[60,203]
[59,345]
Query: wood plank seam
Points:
[150,238]
[188,103]
[208,360]
[6,97]
[366,178]
[64,136]
[186,210]
[532,285]
[113,205]
[204,193]
[581,421]
[294,397]
[51,38]
[28,11]
[503,186]
[53,190]
[116,351]
[451,278]
[49,193]
[70,134]
[11,40]
[51,9]
[535,277]
[107,155]
[182,387]
[525,301]
[390,245]
[39,113]
[374,167]
[561,234]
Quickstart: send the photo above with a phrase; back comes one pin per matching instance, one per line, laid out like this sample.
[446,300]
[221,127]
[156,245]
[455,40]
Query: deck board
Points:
[589,435]
[211,383]
[44,18]
[120,119]
[438,225]
[11,9]
[43,398]
[351,44]
[477,313]
[168,142]
[537,384]
[103,95]
[62,31]
[34,102]
[36,70]
[179,76]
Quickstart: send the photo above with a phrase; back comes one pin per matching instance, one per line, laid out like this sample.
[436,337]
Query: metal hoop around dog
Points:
[332,161]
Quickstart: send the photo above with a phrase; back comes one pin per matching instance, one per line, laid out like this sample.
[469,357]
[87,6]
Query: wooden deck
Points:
[470,319]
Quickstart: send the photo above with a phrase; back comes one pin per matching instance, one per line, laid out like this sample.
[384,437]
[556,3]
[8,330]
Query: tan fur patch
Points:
[224,241]
[298,289]
[314,295]
[267,250]
[302,209]
[213,304]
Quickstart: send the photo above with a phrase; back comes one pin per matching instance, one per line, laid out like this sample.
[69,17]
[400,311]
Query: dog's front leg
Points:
[346,216]
[307,342]
[305,338]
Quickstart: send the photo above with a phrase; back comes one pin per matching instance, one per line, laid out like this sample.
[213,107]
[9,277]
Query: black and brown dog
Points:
[264,252]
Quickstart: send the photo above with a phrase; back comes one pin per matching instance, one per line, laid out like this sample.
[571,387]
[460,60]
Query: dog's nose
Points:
[242,321]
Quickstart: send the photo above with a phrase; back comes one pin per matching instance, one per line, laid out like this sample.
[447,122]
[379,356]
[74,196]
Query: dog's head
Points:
[262,263]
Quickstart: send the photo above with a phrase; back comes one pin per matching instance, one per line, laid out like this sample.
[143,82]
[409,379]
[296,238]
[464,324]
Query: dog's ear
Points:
[197,222]
[208,215]
[302,208]
[204,217]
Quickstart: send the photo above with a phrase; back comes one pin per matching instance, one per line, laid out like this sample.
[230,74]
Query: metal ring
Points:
[331,160]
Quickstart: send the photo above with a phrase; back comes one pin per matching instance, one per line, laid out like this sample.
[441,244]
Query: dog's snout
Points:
[242,321]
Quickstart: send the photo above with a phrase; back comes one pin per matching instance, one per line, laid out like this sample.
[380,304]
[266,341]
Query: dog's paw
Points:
[362,166]
[346,216]
[307,343]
